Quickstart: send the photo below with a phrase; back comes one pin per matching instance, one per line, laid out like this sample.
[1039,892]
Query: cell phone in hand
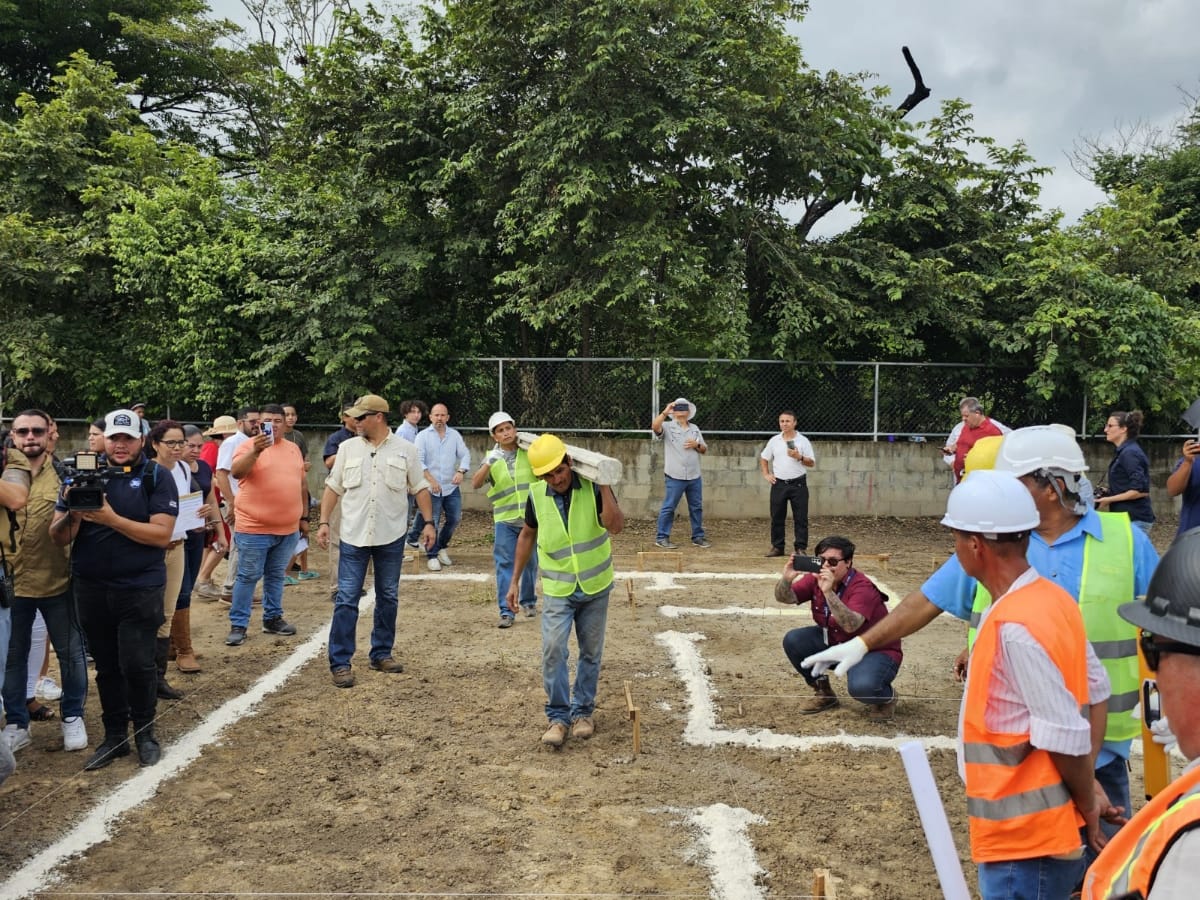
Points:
[268,428]
[802,563]
[791,445]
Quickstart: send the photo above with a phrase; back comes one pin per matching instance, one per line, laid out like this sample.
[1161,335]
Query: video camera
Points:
[802,563]
[82,473]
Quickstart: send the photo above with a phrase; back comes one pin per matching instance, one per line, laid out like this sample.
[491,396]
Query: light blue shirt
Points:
[408,431]
[952,590]
[443,455]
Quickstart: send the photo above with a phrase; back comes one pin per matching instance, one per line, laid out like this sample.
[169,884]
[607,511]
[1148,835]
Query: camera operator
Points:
[844,602]
[43,584]
[120,573]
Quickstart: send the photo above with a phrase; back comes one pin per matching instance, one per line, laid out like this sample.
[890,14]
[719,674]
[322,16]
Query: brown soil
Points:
[434,782]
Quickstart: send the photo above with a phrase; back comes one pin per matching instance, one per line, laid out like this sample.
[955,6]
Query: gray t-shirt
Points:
[679,462]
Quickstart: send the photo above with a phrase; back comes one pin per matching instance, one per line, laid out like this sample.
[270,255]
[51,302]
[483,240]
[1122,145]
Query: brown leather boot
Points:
[823,698]
[181,637]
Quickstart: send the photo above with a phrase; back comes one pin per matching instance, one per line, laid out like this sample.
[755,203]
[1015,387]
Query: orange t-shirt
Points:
[269,499]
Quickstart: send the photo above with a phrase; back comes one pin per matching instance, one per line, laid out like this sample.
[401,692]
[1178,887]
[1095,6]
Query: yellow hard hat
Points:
[545,453]
[983,455]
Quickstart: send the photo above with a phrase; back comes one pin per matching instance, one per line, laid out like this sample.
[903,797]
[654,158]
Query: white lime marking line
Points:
[727,851]
[96,826]
[702,729]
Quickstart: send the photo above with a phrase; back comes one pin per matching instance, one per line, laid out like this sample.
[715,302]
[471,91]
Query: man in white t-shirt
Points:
[785,462]
[248,427]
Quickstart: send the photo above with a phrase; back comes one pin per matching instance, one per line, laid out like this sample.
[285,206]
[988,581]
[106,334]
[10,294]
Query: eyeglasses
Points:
[174,443]
[36,432]
[1154,651]
[831,561]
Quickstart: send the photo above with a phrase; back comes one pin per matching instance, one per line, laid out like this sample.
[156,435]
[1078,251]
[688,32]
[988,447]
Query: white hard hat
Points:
[499,418]
[1037,447]
[988,502]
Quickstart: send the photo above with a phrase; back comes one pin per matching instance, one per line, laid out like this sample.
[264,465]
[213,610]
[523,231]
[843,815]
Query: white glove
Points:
[1161,734]
[493,455]
[842,656]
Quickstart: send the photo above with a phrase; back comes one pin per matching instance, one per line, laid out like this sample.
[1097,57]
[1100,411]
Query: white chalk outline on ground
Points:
[726,849]
[96,826]
[702,729]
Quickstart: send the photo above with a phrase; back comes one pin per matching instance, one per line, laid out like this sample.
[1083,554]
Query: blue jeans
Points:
[352,571]
[62,627]
[1041,878]
[504,552]
[589,614]
[678,488]
[1144,526]
[869,682]
[5,635]
[264,556]
[449,505]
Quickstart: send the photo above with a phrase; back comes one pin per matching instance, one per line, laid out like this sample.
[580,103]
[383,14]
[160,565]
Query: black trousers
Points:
[121,625]
[795,493]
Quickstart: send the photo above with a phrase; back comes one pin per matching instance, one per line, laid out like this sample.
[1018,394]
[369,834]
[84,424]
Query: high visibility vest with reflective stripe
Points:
[1130,861]
[509,489]
[1106,583]
[579,553]
[1017,804]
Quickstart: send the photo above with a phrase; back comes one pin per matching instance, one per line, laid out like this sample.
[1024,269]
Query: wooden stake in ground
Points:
[632,600]
[823,885]
[669,555]
[635,716]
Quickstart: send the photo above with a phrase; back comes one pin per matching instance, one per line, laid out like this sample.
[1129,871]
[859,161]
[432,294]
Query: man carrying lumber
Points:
[569,518]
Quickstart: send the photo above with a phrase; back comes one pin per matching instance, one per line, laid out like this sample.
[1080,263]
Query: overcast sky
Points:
[1047,72]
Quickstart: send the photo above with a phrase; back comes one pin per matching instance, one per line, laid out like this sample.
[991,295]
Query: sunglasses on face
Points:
[1153,651]
[36,432]
[831,561]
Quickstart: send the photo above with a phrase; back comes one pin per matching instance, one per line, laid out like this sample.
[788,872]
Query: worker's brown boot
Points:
[823,698]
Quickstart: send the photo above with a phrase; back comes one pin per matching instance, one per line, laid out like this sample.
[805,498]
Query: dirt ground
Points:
[433,782]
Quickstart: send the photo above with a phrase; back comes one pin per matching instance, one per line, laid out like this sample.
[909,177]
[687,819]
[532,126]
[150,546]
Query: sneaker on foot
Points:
[16,738]
[530,610]
[343,677]
[236,637]
[289,580]
[278,626]
[701,543]
[206,590]
[505,622]
[47,688]
[387,664]
[307,575]
[444,558]
[74,733]
[433,564]
[412,544]
[665,544]
[556,735]
[583,728]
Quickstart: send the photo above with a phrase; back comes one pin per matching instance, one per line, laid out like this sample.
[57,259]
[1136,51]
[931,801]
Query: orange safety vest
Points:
[1128,864]
[1017,804]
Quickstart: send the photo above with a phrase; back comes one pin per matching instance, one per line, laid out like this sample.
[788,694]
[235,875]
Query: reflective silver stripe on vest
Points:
[571,577]
[1115,649]
[508,507]
[991,755]
[583,547]
[975,619]
[501,494]
[1123,702]
[1023,804]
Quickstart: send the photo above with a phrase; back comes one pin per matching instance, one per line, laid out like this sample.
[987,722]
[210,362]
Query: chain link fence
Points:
[865,400]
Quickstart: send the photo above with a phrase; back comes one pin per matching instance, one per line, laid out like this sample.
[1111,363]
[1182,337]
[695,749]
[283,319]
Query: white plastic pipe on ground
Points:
[934,821]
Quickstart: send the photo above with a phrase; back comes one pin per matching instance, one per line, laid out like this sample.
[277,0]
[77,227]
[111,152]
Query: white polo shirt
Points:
[784,466]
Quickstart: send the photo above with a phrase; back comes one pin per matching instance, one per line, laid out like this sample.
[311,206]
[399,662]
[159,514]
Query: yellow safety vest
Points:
[510,489]
[577,553]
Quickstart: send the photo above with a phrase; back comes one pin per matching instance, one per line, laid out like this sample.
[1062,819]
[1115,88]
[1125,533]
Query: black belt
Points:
[790,480]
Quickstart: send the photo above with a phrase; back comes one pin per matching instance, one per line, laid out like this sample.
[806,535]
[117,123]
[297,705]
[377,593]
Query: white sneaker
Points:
[16,738]
[47,688]
[74,733]
[434,565]
[444,558]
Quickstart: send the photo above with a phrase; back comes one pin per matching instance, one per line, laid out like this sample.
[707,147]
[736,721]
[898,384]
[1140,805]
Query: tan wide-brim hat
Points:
[222,425]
